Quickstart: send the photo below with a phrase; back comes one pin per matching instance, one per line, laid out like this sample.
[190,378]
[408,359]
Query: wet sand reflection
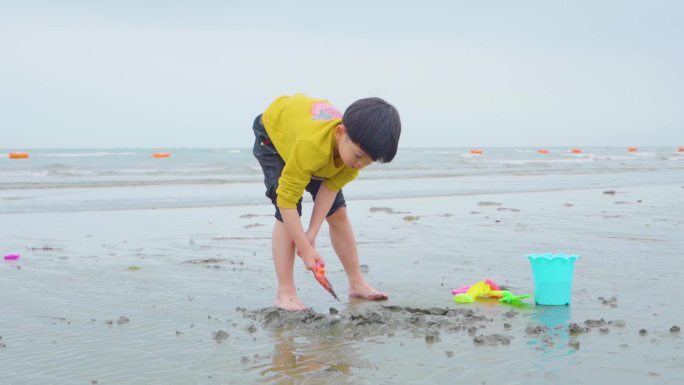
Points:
[302,360]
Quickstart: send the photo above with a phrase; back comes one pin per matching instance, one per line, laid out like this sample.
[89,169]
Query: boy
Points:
[303,143]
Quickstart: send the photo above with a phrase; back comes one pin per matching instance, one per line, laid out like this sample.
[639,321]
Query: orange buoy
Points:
[161,154]
[632,149]
[576,150]
[18,155]
[543,151]
[476,151]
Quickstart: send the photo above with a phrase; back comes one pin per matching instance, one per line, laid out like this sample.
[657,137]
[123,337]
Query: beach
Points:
[147,277]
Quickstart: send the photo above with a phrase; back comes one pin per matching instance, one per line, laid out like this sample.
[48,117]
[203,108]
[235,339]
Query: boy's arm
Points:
[305,156]
[293,226]
[324,201]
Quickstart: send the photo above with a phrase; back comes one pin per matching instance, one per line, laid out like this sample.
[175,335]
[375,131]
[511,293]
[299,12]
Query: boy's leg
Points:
[281,244]
[344,243]
[283,259]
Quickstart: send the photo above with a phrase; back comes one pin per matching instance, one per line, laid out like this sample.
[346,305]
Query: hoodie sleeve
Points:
[305,157]
[346,175]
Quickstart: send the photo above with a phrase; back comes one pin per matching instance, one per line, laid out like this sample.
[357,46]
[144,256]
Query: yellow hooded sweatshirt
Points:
[302,130]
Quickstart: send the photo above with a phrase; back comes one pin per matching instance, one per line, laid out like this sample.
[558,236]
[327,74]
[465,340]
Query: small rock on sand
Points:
[675,329]
[595,323]
[432,336]
[617,323]
[220,335]
[612,301]
[364,268]
[486,203]
[492,340]
[536,329]
[510,313]
[205,261]
[575,329]
[381,209]
[643,332]
[122,320]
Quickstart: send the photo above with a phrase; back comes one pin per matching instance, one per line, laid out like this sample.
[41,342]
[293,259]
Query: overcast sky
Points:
[161,74]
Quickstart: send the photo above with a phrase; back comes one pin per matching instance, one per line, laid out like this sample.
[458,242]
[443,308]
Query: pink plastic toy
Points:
[464,289]
[11,257]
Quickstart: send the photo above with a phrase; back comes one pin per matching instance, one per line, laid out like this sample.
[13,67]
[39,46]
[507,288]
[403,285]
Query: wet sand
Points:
[182,296]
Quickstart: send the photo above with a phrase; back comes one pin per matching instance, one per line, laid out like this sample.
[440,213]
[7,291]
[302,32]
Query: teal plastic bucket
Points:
[552,277]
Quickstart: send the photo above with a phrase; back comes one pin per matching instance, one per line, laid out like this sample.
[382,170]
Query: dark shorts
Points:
[272,166]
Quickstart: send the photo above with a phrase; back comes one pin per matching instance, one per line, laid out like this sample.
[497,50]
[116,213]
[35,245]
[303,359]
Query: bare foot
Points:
[365,291]
[289,302]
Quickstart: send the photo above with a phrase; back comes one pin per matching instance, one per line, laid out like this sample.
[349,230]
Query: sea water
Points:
[54,180]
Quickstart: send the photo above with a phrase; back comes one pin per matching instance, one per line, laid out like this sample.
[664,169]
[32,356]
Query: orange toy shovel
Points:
[319,273]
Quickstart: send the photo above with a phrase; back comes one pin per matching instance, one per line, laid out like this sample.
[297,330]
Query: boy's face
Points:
[351,154]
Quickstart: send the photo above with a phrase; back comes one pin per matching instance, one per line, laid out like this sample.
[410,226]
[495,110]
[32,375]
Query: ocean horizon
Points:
[110,179]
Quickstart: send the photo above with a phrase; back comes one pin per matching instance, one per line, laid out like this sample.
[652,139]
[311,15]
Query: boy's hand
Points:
[302,240]
[311,259]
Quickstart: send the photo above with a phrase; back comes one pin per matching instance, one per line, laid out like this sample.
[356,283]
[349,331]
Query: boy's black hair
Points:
[374,125]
